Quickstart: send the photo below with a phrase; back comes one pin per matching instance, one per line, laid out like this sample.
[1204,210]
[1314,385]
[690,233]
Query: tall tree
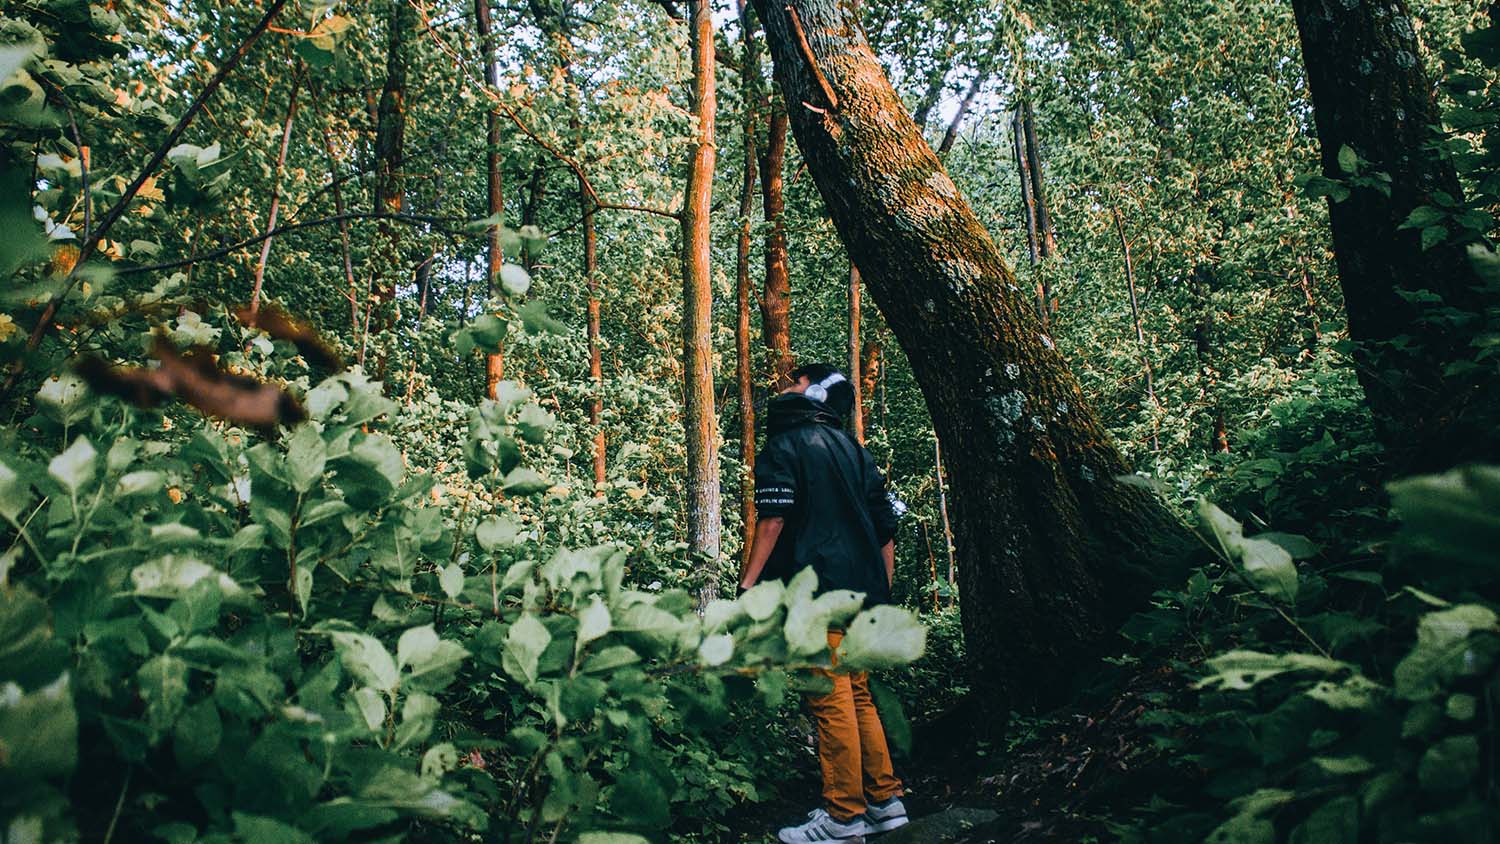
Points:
[494,361]
[390,143]
[776,298]
[271,215]
[699,418]
[1051,545]
[1374,108]
[744,369]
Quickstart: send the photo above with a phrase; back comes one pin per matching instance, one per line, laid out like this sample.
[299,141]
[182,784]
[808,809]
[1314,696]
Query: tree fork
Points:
[1053,551]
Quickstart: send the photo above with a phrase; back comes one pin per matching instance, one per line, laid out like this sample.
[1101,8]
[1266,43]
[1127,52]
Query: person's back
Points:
[823,504]
[831,495]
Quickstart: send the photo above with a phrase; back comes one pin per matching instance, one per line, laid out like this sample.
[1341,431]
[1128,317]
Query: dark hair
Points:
[840,396]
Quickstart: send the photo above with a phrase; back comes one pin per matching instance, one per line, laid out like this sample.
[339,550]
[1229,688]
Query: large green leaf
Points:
[882,637]
[524,643]
[364,657]
[1442,649]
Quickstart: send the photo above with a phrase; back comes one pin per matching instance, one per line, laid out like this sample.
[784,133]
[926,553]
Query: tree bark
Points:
[390,142]
[1047,242]
[869,375]
[1371,94]
[265,246]
[536,192]
[951,136]
[1203,347]
[1052,550]
[494,361]
[701,426]
[744,369]
[776,298]
[856,379]
[596,360]
[1140,331]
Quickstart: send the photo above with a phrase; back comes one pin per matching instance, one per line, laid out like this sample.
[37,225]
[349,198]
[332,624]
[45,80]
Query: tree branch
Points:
[410,219]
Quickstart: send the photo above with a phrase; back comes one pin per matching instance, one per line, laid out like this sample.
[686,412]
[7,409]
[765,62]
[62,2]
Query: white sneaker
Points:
[821,827]
[884,817]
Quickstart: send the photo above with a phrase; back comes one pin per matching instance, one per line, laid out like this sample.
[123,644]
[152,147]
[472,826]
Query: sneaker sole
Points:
[858,839]
[888,825]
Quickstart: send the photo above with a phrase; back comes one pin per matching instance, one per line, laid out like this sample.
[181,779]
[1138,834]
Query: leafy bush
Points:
[210,638]
[1340,703]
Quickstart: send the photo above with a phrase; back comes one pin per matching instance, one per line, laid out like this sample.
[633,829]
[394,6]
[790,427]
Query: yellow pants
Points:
[851,744]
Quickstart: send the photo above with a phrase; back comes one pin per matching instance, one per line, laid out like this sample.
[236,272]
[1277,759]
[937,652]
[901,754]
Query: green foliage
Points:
[1349,707]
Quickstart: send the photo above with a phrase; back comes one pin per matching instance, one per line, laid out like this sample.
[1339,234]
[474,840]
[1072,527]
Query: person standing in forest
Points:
[822,503]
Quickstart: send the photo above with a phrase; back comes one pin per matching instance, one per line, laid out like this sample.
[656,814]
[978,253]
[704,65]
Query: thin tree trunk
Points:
[942,486]
[1047,244]
[1028,200]
[536,191]
[265,245]
[494,360]
[697,316]
[744,370]
[1140,331]
[596,360]
[1372,99]
[856,380]
[1052,550]
[1203,333]
[390,144]
[930,98]
[344,251]
[775,300]
[951,136]
[869,375]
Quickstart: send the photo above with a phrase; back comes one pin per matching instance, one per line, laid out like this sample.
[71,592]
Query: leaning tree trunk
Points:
[702,428]
[494,360]
[1371,94]
[1052,549]
[776,299]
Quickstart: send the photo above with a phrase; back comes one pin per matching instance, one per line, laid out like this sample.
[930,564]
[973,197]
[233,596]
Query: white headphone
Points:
[819,391]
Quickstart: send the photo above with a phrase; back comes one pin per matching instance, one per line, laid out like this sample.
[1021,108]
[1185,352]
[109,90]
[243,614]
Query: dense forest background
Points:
[380,390]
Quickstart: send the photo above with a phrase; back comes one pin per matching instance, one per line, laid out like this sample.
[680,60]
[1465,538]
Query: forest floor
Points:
[1061,777]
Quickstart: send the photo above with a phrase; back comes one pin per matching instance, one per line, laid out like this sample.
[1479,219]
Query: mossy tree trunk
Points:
[1371,95]
[1053,551]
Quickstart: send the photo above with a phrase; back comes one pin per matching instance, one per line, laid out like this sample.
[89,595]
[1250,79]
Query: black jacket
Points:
[832,496]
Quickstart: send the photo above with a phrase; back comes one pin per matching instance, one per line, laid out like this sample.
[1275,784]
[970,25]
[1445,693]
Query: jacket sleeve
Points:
[776,487]
[882,514]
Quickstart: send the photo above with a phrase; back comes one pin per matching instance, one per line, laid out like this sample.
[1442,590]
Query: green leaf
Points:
[451,580]
[1462,707]
[173,575]
[1433,235]
[15,493]
[1270,568]
[533,423]
[39,731]
[882,637]
[364,657]
[1344,765]
[64,398]
[1335,822]
[525,481]
[1243,669]
[593,622]
[75,466]
[612,657]
[1449,764]
[433,661]
[371,707]
[306,456]
[716,650]
[1440,652]
[1423,216]
[497,532]
[514,280]
[761,601]
[524,643]
[163,683]
[611,838]
[1348,159]
[197,734]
